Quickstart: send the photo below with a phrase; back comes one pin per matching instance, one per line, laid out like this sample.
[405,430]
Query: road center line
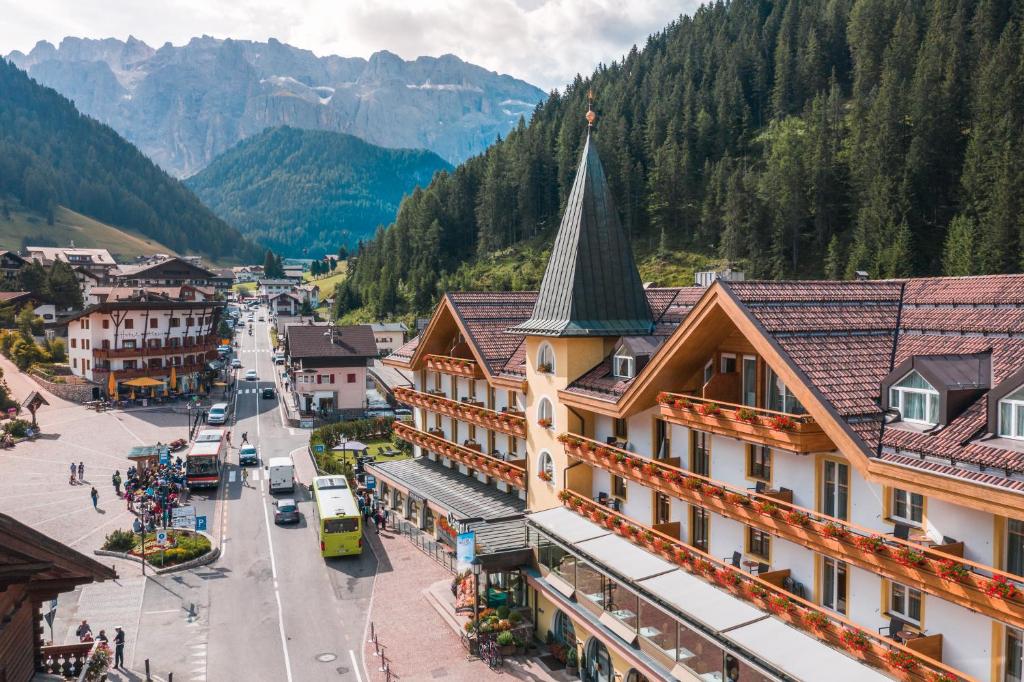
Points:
[355,666]
[270,545]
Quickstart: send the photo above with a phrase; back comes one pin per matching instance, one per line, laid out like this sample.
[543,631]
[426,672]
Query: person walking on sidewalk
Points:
[119,647]
[245,477]
[229,439]
[74,470]
[95,495]
[84,630]
[116,480]
[81,472]
[245,437]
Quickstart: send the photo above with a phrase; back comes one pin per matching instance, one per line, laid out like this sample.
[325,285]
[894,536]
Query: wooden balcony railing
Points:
[510,423]
[462,367]
[935,570]
[202,348]
[182,370]
[513,474]
[863,644]
[65,660]
[792,432]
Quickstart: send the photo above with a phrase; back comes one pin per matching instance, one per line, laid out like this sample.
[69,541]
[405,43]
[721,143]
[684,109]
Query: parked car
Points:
[218,414]
[262,318]
[279,358]
[247,454]
[286,511]
[268,392]
[235,363]
[251,375]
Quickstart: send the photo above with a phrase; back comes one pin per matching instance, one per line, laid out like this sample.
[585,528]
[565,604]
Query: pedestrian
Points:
[102,637]
[378,520]
[95,495]
[73,470]
[81,472]
[229,439]
[245,436]
[116,480]
[118,647]
[83,630]
[137,525]
[386,515]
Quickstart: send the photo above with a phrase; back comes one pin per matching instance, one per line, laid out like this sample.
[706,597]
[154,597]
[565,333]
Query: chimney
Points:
[861,276]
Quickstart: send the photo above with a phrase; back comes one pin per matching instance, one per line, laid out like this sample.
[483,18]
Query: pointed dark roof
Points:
[591,286]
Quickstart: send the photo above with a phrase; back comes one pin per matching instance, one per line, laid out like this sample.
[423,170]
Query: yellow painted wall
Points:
[573,357]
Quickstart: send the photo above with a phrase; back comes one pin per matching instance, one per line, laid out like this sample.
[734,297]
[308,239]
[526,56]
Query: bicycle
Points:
[491,654]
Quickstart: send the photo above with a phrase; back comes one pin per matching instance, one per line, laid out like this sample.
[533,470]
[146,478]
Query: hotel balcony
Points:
[511,472]
[940,570]
[765,591]
[113,353]
[511,423]
[793,432]
[462,367]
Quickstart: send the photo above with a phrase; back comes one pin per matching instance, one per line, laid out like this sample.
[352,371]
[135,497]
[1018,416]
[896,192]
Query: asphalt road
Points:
[276,609]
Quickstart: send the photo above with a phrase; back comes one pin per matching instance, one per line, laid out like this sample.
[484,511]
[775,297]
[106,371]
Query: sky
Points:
[545,42]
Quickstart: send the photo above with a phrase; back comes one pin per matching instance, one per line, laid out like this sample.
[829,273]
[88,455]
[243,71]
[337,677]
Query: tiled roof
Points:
[405,352]
[310,341]
[487,317]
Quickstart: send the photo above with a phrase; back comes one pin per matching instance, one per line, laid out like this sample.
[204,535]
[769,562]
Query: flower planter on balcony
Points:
[463,367]
[792,432]
[980,588]
[505,422]
[865,645]
[511,473]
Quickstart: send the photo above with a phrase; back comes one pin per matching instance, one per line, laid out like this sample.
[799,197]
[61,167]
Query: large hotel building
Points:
[807,480]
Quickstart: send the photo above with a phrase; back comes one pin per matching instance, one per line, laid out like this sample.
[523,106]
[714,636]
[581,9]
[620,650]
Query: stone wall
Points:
[75,392]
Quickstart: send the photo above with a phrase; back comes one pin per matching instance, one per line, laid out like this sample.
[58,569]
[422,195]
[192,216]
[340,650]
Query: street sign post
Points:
[161,537]
[318,448]
[200,523]
[50,615]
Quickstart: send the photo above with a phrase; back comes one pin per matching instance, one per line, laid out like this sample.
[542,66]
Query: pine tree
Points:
[959,257]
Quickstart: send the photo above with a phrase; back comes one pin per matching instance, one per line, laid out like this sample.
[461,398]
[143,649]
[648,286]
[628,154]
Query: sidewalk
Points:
[410,593]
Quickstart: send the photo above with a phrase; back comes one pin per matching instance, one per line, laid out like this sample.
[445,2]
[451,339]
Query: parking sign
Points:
[161,537]
[200,523]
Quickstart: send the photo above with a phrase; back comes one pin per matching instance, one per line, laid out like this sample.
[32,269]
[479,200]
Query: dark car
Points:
[287,511]
[268,392]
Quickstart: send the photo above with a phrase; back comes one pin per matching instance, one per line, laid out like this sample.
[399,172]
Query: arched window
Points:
[599,662]
[545,413]
[1011,415]
[545,359]
[564,631]
[545,467]
[636,676]
[916,400]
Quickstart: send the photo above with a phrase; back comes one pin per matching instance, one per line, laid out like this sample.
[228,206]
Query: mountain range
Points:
[52,156]
[184,105]
[306,192]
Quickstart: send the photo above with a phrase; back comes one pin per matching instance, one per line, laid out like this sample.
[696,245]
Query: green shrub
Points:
[506,638]
[503,612]
[120,541]
[17,427]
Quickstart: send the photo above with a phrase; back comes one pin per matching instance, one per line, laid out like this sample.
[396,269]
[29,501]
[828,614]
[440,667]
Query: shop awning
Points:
[625,558]
[143,382]
[704,603]
[567,525]
[800,655]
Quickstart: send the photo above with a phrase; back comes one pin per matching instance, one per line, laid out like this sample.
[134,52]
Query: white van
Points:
[281,473]
[218,414]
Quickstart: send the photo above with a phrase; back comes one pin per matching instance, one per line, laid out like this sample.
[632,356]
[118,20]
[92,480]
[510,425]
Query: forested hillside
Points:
[307,192]
[795,139]
[52,155]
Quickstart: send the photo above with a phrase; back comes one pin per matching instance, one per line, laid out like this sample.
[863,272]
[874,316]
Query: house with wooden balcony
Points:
[36,569]
[744,480]
[145,333]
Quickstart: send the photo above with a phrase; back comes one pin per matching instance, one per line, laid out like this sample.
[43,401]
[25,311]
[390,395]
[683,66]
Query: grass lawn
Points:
[248,288]
[374,448]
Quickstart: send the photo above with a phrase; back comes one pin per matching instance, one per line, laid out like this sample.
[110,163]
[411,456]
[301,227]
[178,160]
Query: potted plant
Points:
[781,422]
[746,414]
[909,557]
[708,409]
[952,570]
[544,422]
[798,518]
[900,660]
[833,531]
[544,368]
[870,543]
[817,620]
[544,475]
[506,643]
[1000,587]
[572,662]
[854,640]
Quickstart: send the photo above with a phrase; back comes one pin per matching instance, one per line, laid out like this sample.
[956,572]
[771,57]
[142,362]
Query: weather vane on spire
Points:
[591,116]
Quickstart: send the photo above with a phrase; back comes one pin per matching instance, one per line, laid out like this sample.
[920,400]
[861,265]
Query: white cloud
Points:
[543,41]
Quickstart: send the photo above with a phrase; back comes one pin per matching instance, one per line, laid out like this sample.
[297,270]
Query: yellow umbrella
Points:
[111,385]
[143,382]
[166,390]
[174,377]
[133,394]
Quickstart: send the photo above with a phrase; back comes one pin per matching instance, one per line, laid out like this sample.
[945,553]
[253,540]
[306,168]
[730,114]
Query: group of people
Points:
[152,492]
[84,634]
[78,478]
[373,510]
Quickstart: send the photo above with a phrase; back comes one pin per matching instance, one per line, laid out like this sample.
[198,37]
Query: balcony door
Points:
[749,396]
[699,527]
[833,584]
[835,489]
[1014,547]
[1014,656]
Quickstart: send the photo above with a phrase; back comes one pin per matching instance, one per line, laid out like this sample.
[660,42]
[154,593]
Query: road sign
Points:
[161,537]
[370,482]
[200,523]
[318,448]
[165,457]
[183,517]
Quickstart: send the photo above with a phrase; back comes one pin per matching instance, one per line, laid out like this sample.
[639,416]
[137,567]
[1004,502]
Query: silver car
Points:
[287,511]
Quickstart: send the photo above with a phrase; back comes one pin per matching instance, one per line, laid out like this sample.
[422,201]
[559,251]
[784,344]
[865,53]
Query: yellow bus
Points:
[338,519]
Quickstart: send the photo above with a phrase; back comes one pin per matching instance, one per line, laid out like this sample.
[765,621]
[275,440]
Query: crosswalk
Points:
[253,350]
[244,391]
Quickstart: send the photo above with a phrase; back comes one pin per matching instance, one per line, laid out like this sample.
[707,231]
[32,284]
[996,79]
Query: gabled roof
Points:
[313,341]
[143,269]
[389,327]
[591,286]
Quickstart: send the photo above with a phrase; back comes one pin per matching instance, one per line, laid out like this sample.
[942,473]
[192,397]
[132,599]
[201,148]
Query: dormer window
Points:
[623,367]
[1011,415]
[916,400]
